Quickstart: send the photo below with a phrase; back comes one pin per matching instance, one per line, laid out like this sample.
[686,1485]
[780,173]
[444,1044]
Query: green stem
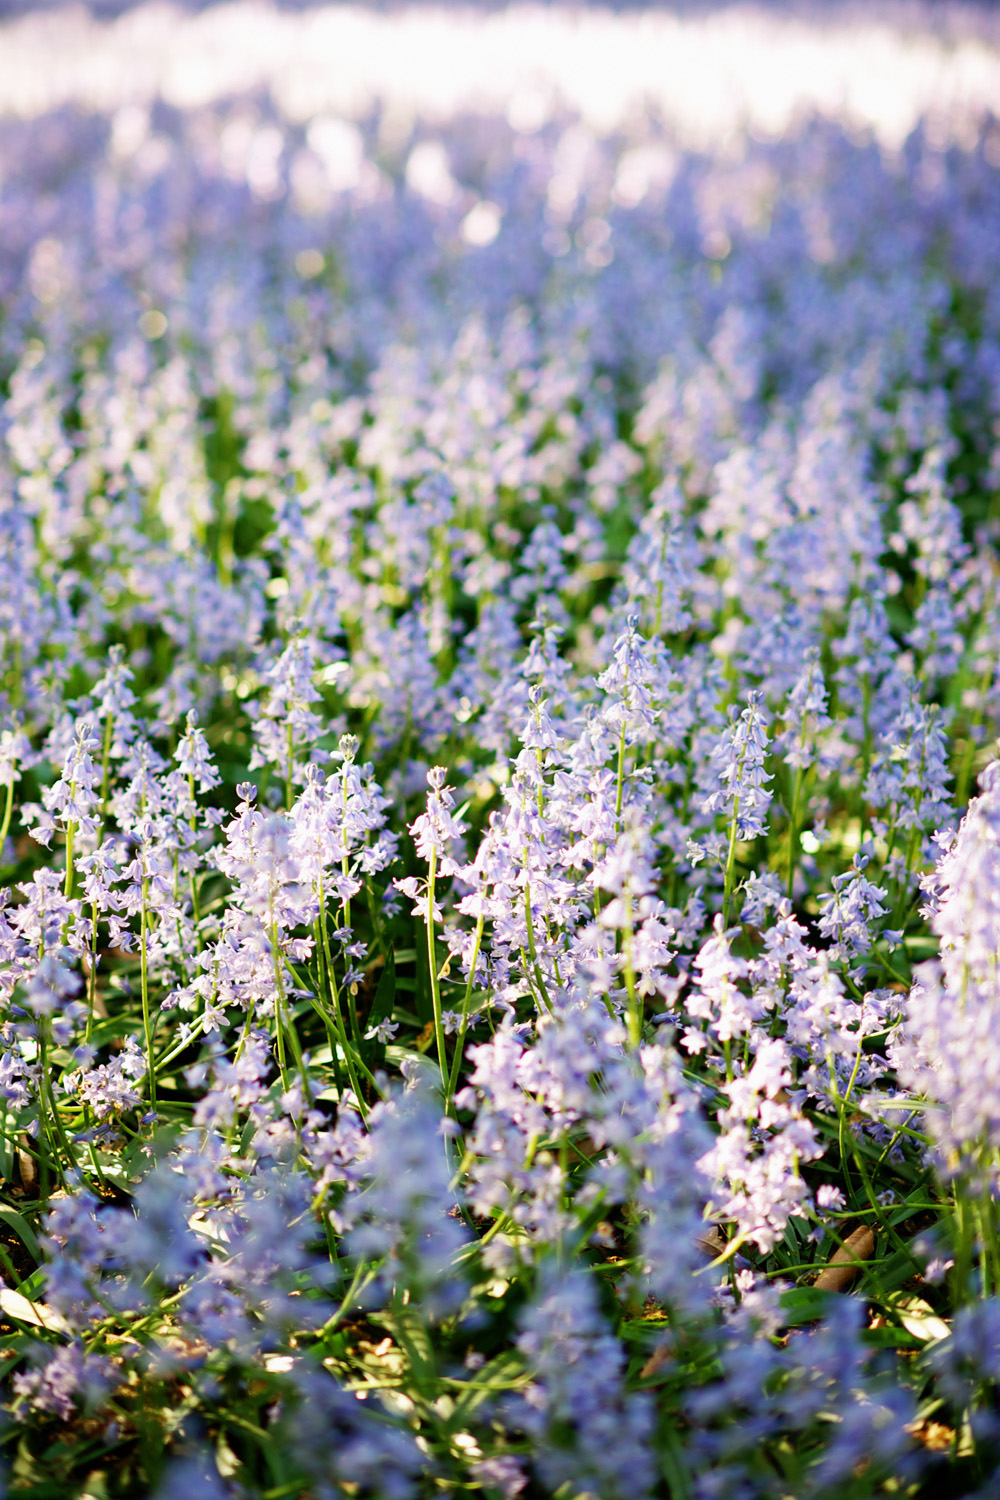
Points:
[92,976]
[866,750]
[5,825]
[288,1019]
[620,780]
[70,832]
[532,950]
[338,1013]
[193,824]
[170,1053]
[144,982]
[456,1061]
[634,1003]
[793,830]
[279,996]
[58,1143]
[290,745]
[106,766]
[857,1155]
[727,890]
[432,965]
[990,1244]
[964,1236]
[331,1029]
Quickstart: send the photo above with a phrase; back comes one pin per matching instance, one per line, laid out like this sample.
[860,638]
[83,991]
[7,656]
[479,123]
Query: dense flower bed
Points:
[499,678]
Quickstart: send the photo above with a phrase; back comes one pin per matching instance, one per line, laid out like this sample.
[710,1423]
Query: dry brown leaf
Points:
[838,1275]
[660,1356]
[712,1242]
[36,1314]
[425,1038]
[28,1168]
[932,1435]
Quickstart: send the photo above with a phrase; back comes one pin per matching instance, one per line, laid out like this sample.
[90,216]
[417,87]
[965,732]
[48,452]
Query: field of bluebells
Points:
[499,818]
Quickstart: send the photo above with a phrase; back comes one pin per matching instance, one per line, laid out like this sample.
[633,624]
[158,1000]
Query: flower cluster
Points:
[499,638]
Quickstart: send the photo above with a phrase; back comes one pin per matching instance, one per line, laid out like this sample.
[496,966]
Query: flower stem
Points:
[70,832]
[5,825]
[456,1061]
[144,982]
[727,891]
[432,965]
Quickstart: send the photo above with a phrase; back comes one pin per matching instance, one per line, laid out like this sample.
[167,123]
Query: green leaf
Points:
[892,1272]
[805,1304]
[890,1338]
[29,1313]
[34,1285]
[503,1373]
[643,1330]
[23,1230]
[917,1317]
[385,995]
